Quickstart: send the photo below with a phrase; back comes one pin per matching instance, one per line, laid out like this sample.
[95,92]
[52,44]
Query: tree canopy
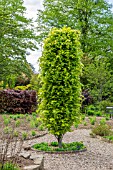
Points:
[93,18]
[16,36]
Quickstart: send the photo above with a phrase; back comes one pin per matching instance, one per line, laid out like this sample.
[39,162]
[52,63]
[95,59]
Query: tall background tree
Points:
[94,18]
[16,36]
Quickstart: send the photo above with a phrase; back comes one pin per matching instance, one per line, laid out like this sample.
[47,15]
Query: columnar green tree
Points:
[60,67]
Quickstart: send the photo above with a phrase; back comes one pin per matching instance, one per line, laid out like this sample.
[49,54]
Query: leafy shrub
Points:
[17,101]
[103,121]
[33,133]
[27,87]
[98,113]
[92,110]
[102,130]
[17,123]
[85,123]
[32,124]
[103,104]
[24,135]
[6,121]
[7,130]
[15,133]
[41,127]
[92,120]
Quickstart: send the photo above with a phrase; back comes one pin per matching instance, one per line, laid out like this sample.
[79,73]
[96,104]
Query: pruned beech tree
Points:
[60,69]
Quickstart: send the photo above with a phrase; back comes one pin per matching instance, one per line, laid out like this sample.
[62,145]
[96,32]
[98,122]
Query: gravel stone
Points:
[99,154]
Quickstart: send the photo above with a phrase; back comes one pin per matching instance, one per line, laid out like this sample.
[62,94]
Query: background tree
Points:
[93,18]
[60,68]
[16,36]
[99,79]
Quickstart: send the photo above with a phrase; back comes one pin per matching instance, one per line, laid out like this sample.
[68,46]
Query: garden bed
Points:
[25,126]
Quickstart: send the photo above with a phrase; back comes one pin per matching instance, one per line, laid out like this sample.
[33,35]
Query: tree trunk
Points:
[59,141]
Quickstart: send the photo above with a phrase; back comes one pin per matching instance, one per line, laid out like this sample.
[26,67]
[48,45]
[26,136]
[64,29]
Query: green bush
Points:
[98,113]
[90,112]
[92,120]
[103,121]
[103,104]
[33,133]
[24,135]
[102,130]
[6,121]
[17,123]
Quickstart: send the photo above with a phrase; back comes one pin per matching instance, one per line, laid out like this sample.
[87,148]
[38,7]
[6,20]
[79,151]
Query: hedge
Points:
[17,101]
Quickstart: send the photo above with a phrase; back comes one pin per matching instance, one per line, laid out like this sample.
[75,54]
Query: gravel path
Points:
[99,154]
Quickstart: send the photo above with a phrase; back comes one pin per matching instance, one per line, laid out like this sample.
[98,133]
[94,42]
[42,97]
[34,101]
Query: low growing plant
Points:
[6,121]
[9,166]
[53,146]
[102,130]
[17,123]
[109,137]
[85,123]
[7,130]
[33,133]
[92,120]
[32,124]
[103,121]
[24,135]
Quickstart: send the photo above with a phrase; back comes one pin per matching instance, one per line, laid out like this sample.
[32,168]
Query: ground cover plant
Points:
[53,146]
[110,138]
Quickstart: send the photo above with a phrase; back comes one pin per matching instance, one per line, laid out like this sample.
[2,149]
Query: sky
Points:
[32,6]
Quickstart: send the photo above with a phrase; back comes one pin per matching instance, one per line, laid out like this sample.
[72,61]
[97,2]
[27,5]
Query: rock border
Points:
[60,152]
[38,160]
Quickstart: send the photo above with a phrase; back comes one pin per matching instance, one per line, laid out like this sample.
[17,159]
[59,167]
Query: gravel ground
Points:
[99,154]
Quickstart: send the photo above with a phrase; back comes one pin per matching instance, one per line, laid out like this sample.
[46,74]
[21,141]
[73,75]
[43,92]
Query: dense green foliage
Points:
[60,68]
[93,18]
[102,130]
[95,21]
[16,36]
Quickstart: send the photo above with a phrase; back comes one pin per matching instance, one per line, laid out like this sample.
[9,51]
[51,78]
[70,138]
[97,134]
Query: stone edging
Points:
[59,152]
[37,159]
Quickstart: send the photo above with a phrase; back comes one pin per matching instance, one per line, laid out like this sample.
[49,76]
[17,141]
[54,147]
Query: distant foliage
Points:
[17,101]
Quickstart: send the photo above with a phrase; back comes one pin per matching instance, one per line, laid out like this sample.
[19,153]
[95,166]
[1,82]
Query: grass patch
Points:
[53,146]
